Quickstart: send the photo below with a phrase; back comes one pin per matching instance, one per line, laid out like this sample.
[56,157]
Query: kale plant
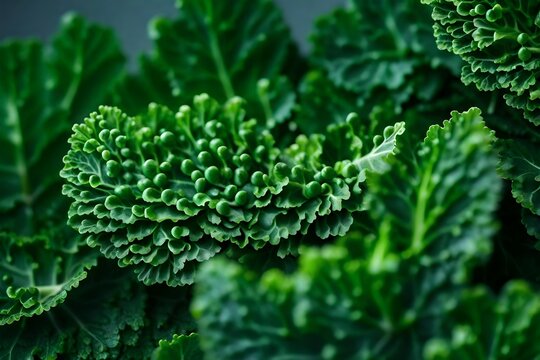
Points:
[234,198]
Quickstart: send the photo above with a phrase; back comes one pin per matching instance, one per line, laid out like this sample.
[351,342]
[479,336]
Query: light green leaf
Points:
[368,297]
[181,347]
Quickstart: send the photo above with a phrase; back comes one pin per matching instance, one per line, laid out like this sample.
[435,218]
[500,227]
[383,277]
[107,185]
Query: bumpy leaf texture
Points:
[368,298]
[42,92]
[499,42]
[369,53]
[220,49]
[109,316]
[165,191]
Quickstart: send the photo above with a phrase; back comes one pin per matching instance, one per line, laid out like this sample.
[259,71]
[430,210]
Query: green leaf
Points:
[89,325]
[531,222]
[222,50]
[446,193]
[162,191]
[498,43]
[84,62]
[377,297]
[520,162]
[396,67]
[109,316]
[36,274]
[149,84]
[369,46]
[322,103]
[183,347]
[42,93]
[480,326]
[25,128]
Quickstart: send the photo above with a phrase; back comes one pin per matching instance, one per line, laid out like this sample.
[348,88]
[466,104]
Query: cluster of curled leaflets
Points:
[165,191]
[500,43]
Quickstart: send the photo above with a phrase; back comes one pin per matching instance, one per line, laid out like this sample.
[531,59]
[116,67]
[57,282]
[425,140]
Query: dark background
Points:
[40,18]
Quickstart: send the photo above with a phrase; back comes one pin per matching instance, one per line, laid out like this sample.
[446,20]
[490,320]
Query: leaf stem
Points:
[14,120]
[218,57]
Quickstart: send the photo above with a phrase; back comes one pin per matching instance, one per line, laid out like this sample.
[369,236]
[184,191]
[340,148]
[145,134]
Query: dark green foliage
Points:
[165,191]
[221,50]
[499,42]
[42,92]
[481,326]
[110,316]
[375,53]
[406,221]
[183,347]
[520,162]
[377,297]
[37,273]
[371,45]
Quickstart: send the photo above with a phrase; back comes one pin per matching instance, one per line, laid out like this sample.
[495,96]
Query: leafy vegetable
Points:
[368,54]
[498,42]
[232,49]
[106,317]
[376,297]
[483,327]
[37,274]
[41,95]
[165,191]
[395,41]
[340,234]
[180,347]
[42,92]
[521,164]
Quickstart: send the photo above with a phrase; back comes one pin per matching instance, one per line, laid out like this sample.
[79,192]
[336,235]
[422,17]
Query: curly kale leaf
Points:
[372,53]
[165,191]
[220,49]
[109,316]
[445,195]
[499,43]
[374,297]
[42,92]
[427,94]
[89,325]
[181,347]
[84,62]
[481,326]
[368,44]
[520,163]
[37,273]
[397,67]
